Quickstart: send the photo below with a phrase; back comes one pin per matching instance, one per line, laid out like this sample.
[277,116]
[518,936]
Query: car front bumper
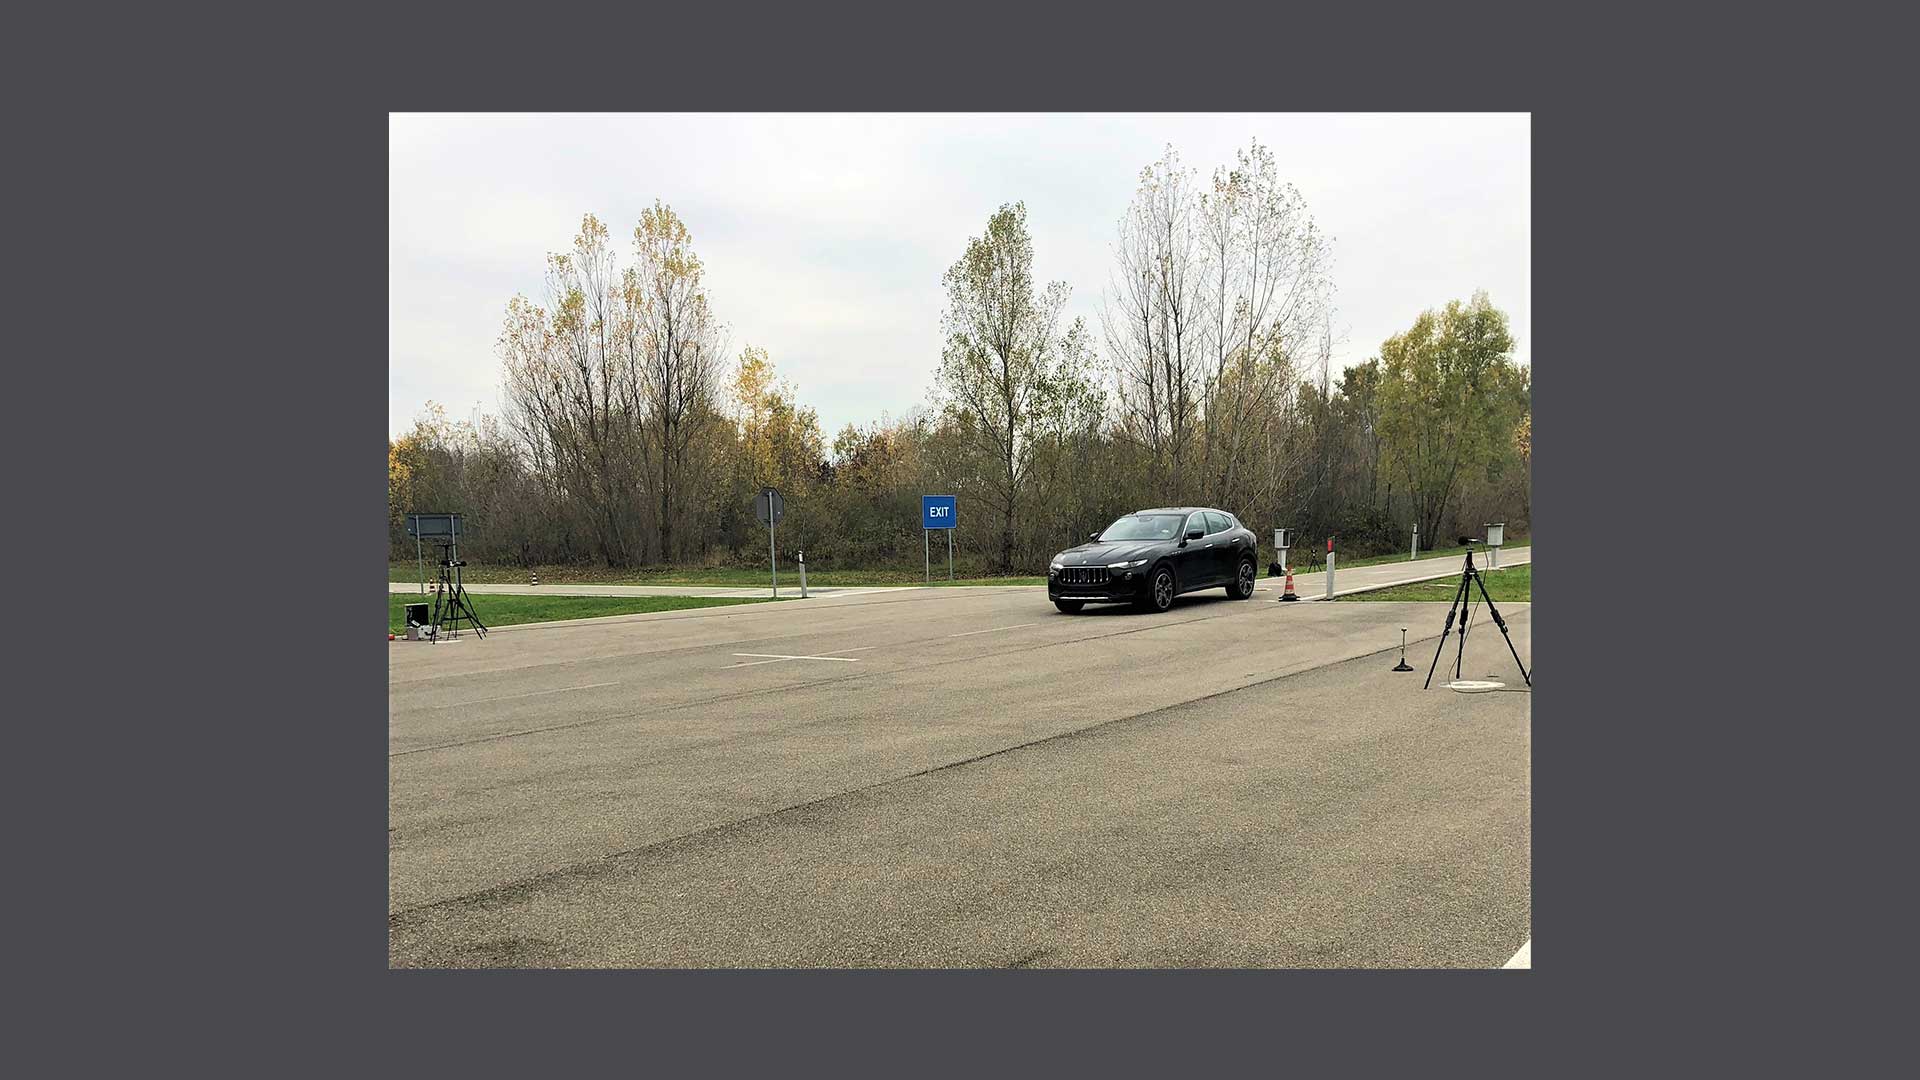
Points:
[1121,587]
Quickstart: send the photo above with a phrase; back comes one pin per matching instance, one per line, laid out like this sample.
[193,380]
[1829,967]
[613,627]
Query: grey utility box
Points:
[1496,533]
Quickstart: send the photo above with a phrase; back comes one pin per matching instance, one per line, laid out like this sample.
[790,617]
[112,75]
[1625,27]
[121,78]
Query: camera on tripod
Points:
[1471,578]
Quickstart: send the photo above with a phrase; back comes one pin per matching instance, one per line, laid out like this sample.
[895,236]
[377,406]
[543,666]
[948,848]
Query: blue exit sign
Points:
[938,511]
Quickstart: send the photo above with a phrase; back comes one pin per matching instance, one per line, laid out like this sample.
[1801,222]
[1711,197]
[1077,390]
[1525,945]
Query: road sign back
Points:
[769,507]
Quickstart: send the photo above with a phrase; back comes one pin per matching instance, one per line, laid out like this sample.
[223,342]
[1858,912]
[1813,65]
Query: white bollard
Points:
[1329,575]
[1415,553]
[802,557]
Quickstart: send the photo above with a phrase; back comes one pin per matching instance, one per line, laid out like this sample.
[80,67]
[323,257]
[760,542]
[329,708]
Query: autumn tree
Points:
[779,438]
[612,384]
[675,344]
[1001,351]
[564,366]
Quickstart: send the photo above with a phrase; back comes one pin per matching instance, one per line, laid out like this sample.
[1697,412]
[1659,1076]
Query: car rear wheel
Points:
[1160,590]
[1242,587]
[1070,606]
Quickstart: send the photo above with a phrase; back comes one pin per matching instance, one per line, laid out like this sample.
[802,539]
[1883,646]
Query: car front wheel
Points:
[1160,588]
[1242,587]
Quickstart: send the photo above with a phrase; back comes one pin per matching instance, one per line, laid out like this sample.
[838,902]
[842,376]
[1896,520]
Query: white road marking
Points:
[530,693]
[1015,626]
[1523,958]
[774,658]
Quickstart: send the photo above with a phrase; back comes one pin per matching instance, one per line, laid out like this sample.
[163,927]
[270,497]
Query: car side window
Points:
[1216,523]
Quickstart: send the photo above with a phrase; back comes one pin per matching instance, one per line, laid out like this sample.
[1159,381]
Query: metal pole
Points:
[949,554]
[772,560]
[420,554]
[1493,558]
[926,554]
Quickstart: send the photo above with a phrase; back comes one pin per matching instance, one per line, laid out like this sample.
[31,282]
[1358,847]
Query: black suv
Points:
[1148,558]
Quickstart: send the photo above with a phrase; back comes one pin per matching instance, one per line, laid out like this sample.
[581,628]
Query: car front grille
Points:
[1083,575]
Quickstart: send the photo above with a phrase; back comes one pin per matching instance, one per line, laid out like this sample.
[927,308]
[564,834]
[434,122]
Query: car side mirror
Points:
[1093,536]
[1195,534]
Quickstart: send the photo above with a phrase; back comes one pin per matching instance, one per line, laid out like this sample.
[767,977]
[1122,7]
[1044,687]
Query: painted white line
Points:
[778,656]
[1523,958]
[1015,626]
[530,693]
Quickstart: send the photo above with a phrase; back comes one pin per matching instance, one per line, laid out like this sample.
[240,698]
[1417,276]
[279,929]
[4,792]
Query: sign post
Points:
[1496,536]
[769,507]
[937,512]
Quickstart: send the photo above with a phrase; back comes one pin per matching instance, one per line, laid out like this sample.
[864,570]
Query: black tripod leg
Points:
[479,628]
[1502,624]
[1465,604]
[467,605]
[1459,601]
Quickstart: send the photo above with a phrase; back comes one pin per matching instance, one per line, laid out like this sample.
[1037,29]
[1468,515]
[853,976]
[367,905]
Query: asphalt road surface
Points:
[968,778]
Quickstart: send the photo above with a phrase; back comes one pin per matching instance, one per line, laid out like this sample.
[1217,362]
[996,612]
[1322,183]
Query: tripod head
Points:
[446,554]
[1468,542]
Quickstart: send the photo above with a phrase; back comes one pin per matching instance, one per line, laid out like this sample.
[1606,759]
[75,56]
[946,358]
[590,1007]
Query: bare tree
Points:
[1154,318]
[1268,288]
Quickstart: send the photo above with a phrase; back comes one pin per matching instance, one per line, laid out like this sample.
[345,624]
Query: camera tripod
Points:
[1470,577]
[451,596]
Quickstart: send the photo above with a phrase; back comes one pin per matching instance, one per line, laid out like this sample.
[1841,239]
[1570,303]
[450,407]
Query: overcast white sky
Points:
[825,236]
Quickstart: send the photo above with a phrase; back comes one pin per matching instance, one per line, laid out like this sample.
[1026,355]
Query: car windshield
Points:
[1144,527]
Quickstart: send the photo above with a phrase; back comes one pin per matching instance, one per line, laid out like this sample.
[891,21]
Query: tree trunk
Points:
[666,504]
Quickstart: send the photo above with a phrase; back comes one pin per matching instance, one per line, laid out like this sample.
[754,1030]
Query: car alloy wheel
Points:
[1162,589]
[1245,588]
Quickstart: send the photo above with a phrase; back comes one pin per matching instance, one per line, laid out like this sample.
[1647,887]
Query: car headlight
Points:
[1126,565]
[1053,568]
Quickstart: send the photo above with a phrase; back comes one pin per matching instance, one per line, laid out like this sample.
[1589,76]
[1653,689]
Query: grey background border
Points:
[218,848]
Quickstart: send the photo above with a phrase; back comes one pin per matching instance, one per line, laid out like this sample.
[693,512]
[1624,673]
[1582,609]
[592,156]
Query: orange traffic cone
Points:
[1287,593]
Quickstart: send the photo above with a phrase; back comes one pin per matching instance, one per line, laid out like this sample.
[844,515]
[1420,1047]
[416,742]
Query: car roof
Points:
[1183,510]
